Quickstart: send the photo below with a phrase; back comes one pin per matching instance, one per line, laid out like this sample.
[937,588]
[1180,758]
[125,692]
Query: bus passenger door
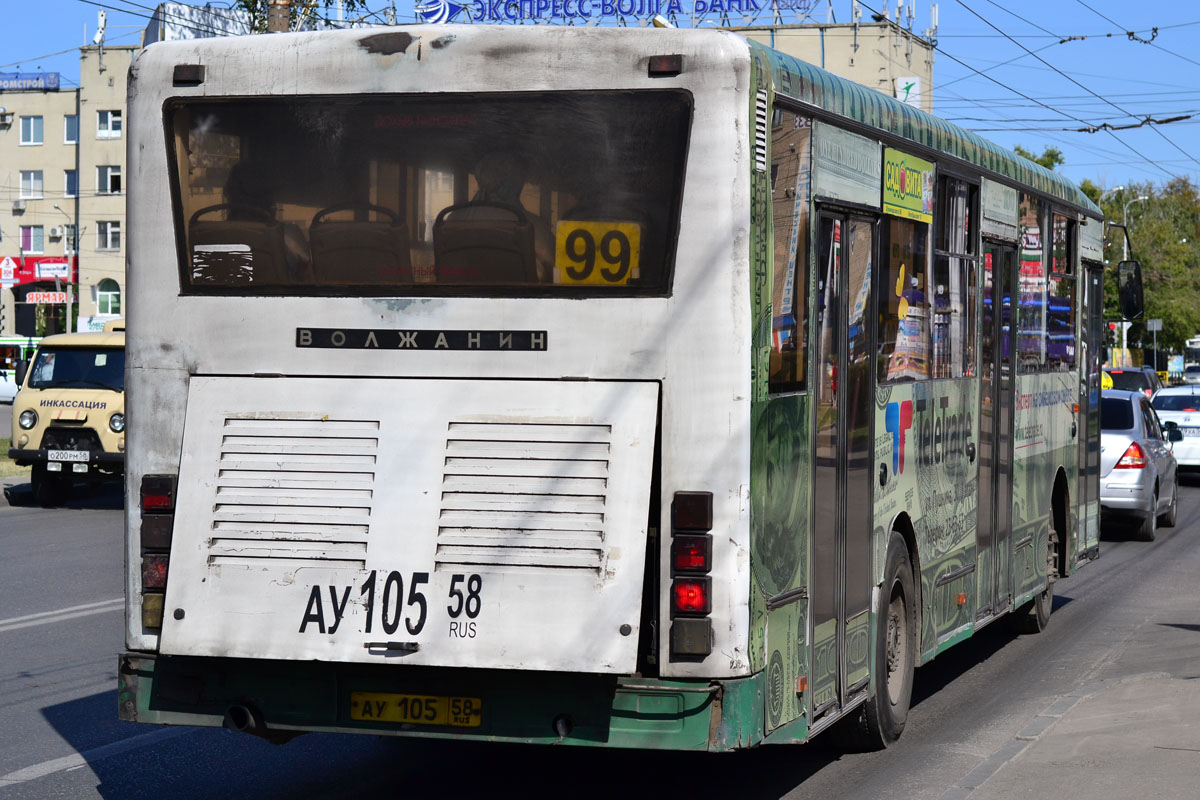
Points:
[1091,329]
[840,587]
[994,522]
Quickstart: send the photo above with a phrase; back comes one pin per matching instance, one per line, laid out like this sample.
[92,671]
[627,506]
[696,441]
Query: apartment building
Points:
[39,192]
[62,196]
[101,223]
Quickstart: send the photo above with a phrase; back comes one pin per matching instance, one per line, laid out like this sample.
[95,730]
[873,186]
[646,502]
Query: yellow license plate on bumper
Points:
[416,709]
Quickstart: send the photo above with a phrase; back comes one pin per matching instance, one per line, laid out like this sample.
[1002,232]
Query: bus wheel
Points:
[47,491]
[881,719]
[1034,616]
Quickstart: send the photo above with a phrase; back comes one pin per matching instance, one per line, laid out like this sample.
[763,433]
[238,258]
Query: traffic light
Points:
[1110,335]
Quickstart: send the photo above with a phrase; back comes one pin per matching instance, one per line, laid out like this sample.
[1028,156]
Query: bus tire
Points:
[47,491]
[1034,616]
[879,722]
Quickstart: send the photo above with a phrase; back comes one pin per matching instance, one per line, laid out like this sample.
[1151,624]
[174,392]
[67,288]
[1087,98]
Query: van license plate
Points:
[67,455]
[416,709]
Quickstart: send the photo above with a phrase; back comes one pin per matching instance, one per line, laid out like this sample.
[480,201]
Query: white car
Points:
[8,387]
[1181,405]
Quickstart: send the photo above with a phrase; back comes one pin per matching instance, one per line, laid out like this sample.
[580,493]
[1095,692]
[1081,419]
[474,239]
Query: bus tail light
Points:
[691,553]
[1134,457]
[691,587]
[158,520]
[691,595]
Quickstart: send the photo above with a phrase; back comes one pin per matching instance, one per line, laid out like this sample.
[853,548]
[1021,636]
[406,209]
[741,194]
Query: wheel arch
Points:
[902,524]
[1060,519]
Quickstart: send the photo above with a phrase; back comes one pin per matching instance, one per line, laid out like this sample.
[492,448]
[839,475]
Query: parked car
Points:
[1138,471]
[1180,405]
[1191,374]
[8,388]
[1135,379]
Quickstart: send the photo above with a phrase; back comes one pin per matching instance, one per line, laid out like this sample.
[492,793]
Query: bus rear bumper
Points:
[282,699]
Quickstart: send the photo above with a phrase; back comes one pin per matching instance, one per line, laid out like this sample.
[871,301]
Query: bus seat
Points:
[234,252]
[359,251]
[484,243]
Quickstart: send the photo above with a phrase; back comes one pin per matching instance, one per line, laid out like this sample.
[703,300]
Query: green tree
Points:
[1050,158]
[301,9]
[1164,235]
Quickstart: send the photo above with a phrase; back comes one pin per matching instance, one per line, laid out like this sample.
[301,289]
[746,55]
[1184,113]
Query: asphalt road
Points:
[60,631]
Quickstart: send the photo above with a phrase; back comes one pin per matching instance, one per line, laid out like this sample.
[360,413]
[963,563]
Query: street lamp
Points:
[67,258]
[1113,190]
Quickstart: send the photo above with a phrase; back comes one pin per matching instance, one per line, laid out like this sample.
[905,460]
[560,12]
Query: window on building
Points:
[904,295]
[108,235]
[791,136]
[108,179]
[108,297]
[31,130]
[108,125]
[71,129]
[69,243]
[32,185]
[32,239]
[72,183]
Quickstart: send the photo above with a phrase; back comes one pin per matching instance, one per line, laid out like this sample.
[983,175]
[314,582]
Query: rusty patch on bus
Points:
[386,44]
[443,41]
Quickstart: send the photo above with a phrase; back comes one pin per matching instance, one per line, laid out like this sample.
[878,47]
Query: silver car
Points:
[1191,374]
[1137,468]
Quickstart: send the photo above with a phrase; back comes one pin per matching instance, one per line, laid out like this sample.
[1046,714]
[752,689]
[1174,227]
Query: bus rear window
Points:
[537,193]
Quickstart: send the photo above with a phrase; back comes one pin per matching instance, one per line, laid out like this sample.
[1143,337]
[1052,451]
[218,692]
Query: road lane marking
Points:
[76,760]
[61,615]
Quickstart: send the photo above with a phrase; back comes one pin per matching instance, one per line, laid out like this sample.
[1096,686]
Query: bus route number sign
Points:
[596,253]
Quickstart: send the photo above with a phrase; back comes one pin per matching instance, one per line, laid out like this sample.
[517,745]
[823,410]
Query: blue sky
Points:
[1098,75]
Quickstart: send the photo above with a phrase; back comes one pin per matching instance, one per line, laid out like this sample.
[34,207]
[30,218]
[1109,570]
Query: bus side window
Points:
[903,301]
[790,196]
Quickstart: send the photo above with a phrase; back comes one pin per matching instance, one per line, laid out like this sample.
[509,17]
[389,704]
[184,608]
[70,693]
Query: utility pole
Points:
[279,16]
[1125,257]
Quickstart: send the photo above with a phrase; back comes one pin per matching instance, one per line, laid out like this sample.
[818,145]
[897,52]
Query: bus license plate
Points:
[416,709]
[67,455]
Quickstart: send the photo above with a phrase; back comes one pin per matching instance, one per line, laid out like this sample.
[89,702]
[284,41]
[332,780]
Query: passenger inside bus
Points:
[494,229]
[250,245]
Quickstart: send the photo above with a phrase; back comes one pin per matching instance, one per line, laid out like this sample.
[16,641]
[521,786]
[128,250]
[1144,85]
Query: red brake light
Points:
[158,492]
[1133,458]
[691,553]
[691,595]
[154,571]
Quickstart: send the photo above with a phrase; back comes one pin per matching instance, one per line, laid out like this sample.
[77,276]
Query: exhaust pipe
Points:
[246,718]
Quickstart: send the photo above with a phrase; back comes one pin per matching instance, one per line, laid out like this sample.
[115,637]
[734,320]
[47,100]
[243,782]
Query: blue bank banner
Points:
[14,81]
[590,11]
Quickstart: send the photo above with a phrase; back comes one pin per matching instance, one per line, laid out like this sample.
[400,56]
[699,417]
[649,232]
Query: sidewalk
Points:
[1136,737]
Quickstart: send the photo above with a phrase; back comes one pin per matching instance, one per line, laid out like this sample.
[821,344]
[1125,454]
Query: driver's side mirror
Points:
[19,373]
[1129,289]
[1173,432]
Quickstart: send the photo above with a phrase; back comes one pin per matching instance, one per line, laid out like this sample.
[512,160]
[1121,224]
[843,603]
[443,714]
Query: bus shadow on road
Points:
[109,495]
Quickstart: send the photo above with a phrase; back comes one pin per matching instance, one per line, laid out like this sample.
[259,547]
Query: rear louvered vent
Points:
[524,496]
[294,490]
[760,131]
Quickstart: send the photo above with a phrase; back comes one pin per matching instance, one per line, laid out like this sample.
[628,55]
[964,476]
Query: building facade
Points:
[39,190]
[101,222]
[62,196]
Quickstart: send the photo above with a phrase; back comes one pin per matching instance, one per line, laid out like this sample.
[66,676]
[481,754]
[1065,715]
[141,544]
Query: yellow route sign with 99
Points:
[596,253]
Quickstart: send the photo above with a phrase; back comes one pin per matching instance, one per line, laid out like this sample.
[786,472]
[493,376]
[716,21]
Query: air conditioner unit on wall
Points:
[18,205]
[56,232]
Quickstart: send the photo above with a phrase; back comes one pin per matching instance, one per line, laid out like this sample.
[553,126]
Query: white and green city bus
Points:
[636,388]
